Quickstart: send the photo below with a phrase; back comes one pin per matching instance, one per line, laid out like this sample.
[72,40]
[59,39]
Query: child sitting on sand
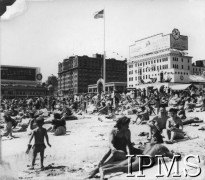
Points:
[39,146]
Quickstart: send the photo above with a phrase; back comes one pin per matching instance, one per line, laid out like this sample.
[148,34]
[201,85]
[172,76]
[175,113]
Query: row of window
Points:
[149,62]
[148,76]
[195,69]
[177,66]
[153,68]
[23,93]
[155,61]
[176,59]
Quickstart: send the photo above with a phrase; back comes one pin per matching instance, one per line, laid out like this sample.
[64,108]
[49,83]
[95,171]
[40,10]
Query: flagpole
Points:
[104,59]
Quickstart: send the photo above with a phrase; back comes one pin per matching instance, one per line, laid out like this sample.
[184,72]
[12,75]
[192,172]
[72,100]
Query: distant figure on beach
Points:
[10,124]
[58,125]
[174,127]
[143,115]
[158,122]
[39,146]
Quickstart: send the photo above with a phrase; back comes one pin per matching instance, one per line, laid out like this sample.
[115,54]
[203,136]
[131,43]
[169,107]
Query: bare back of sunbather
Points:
[122,166]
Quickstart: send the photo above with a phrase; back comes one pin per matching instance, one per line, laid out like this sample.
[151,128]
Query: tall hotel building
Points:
[77,72]
[160,58]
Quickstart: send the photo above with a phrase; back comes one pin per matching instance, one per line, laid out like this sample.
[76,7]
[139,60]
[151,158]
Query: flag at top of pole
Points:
[99,14]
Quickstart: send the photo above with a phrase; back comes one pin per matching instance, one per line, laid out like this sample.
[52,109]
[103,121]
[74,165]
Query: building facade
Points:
[77,72]
[20,81]
[161,58]
[109,87]
[198,67]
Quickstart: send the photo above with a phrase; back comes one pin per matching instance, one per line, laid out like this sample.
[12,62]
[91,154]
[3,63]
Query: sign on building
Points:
[179,44]
[158,42]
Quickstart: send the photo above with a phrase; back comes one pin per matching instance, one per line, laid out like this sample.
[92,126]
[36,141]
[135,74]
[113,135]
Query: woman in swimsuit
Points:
[119,144]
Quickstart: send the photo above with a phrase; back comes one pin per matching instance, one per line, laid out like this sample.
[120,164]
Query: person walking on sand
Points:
[39,146]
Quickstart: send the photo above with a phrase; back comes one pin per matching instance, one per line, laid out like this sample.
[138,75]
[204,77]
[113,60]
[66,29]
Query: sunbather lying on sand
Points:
[122,166]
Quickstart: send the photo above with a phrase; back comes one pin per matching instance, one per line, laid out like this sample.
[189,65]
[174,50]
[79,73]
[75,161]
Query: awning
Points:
[195,78]
[180,86]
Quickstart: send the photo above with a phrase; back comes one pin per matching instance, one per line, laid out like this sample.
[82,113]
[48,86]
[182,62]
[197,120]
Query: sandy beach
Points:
[75,154]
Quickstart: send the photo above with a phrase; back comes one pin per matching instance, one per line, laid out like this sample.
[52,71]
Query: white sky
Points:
[41,34]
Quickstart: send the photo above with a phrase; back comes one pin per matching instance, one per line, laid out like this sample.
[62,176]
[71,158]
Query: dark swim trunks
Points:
[38,148]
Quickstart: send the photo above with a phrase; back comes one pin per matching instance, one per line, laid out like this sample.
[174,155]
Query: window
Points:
[131,79]
[182,67]
[151,62]
[173,66]
[154,61]
[188,67]
[130,66]
[130,72]
[135,71]
[182,59]
[136,78]
[146,76]
[188,60]
[135,64]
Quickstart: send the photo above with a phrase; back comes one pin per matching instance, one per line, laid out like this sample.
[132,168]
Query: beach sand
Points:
[75,154]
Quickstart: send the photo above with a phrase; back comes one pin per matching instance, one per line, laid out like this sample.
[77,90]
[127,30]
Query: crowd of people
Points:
[162,110]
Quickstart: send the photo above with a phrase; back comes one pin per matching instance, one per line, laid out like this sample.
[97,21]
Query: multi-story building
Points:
[198,67]
[162,58]
[77,72]
[20,81]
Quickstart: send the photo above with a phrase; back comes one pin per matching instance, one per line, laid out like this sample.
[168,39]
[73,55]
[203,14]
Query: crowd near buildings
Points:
[153,61]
